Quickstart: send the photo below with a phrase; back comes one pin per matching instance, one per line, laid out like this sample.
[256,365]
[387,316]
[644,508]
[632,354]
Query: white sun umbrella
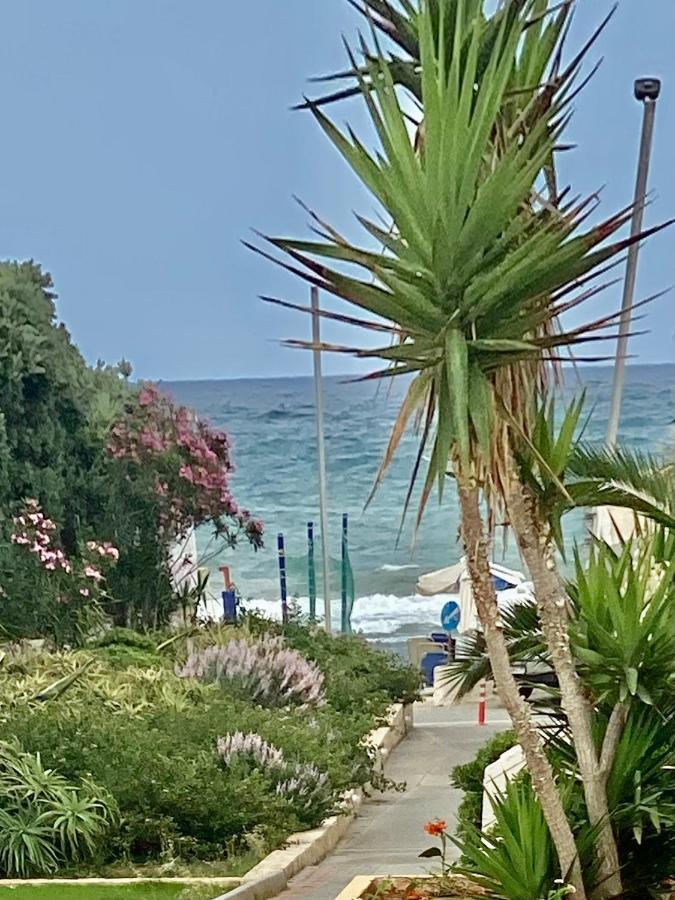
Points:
[614,524]
[456,580]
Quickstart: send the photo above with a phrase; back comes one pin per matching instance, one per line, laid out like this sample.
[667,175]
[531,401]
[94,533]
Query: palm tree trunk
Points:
[536,547]
[539,767]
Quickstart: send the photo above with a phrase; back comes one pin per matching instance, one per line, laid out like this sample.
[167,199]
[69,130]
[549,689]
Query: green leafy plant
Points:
[515,859]
[114,720]
[46,822]
[478,258]
[624,631]
[26,845]
[468,778]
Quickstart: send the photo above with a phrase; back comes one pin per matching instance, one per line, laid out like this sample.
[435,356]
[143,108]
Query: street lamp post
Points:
[646,91]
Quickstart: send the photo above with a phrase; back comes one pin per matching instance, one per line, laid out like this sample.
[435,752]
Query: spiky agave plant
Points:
[475,271]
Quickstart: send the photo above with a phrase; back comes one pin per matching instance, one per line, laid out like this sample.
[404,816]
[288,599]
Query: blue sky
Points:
[143,138]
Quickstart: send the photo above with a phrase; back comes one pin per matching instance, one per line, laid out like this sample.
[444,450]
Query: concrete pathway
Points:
[389,834]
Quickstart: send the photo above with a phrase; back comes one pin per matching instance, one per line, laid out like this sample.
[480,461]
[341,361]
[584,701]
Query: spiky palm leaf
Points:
[524,640]
[564,472]
[475,270]
[399,23]
[623,631]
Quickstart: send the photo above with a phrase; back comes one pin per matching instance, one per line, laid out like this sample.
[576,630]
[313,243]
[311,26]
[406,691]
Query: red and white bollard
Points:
[482,704]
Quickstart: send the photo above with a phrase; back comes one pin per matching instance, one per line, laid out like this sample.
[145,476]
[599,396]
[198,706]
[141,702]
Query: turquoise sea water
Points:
[271,422]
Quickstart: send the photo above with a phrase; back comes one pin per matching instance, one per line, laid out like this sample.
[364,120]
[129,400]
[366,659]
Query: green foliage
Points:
[114,721]
[45,821]
[469,778]
[123,648]
[43,396]
[375,678]
[147,891]
[515,860]
[564,473]
[624,631]
[63,432]
[476,265]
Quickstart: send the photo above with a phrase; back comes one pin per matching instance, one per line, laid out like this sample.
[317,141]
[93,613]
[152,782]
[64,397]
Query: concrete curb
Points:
[356,887]
[271,876]
[215,880]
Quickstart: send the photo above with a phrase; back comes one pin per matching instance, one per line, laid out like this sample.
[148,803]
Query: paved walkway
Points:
[388,835]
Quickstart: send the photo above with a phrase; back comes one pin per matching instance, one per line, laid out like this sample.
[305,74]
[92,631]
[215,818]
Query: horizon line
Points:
[353,377]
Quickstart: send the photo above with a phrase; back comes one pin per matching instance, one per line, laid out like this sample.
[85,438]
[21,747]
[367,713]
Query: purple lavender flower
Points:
[251,746]
[265,671]
[305,786]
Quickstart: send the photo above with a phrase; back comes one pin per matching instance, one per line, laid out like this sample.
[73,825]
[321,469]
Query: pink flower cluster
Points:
[104,549]
[190,463]
[33,530]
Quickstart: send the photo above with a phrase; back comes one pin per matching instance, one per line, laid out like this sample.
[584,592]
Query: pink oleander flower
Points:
[91,572]
[148,395]
[84,591]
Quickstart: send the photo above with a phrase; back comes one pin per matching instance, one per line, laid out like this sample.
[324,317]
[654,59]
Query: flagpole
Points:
[321,454]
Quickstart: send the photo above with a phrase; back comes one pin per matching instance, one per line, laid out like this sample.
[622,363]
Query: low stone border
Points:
[355,887]
[359,883]
[216,881]
[271,876]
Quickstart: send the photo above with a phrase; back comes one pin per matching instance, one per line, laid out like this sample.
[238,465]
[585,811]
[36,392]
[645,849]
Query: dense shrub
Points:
[122,647]
[151,739]
[163,472]
[302,783]
[263,670]
[374,677]
[66,588]
[106,460]
[469,778]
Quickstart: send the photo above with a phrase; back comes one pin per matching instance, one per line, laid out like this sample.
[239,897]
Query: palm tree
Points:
[476,268]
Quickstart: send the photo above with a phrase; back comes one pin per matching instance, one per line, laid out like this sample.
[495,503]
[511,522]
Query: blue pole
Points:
[282,578]
[311,572]
[344,617]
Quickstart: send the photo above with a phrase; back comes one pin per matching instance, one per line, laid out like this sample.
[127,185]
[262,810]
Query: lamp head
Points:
[647,89]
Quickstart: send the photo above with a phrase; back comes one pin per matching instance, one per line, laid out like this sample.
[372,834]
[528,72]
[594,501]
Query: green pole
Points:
[344,618]
[311,572]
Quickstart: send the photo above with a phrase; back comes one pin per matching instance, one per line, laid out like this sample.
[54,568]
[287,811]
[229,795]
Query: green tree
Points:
[481,256]
[43,398]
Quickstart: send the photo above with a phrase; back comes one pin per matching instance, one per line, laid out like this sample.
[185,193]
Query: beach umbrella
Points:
[455,579]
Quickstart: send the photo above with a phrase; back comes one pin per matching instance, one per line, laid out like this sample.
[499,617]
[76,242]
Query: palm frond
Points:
[471,275]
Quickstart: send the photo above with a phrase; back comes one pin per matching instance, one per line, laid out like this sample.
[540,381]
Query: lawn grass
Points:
[156,891]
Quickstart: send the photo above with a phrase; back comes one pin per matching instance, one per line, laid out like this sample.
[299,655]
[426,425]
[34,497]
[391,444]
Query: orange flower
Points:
[436,828]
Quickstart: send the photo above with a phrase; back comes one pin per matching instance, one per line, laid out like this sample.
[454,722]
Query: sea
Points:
[272,426]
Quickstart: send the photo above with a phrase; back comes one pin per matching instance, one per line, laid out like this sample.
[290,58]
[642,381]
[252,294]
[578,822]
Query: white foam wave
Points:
[376,614]
[389,567]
